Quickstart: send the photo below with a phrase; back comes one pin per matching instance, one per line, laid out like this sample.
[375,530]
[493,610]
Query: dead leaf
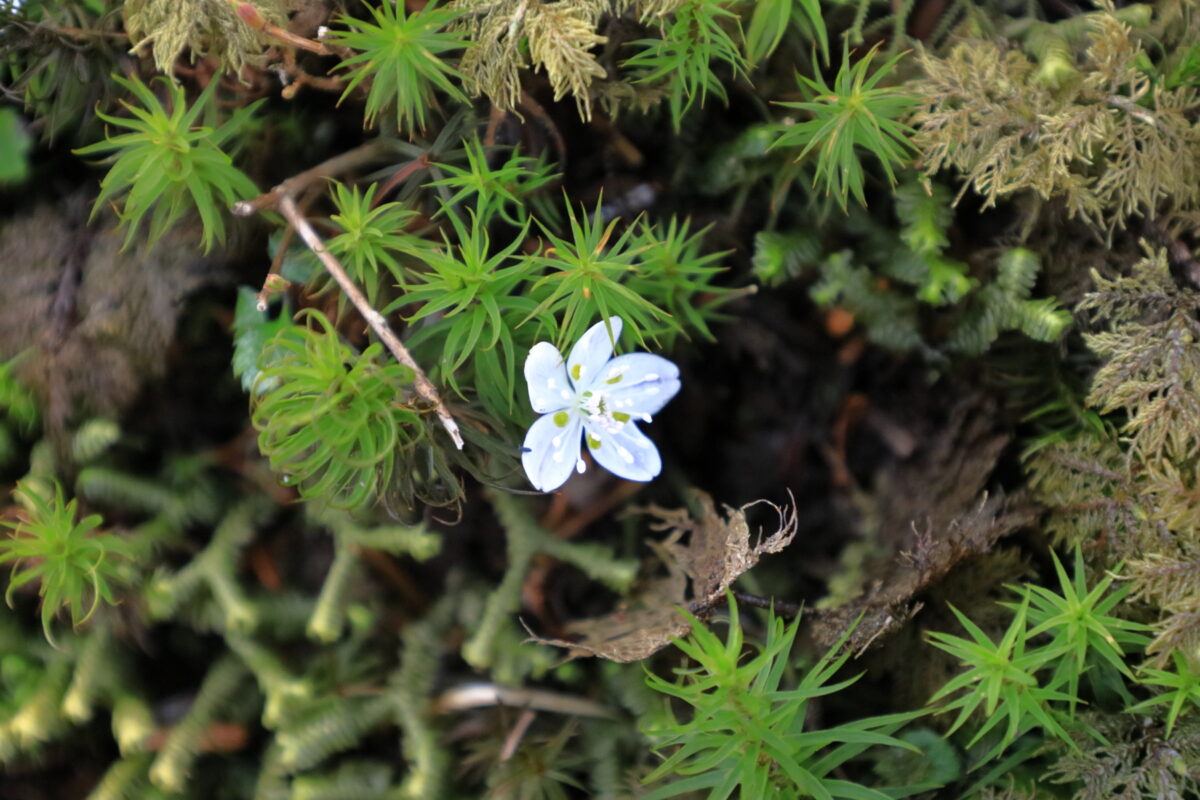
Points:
[709,553]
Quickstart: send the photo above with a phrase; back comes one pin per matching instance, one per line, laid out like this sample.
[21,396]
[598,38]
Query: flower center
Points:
[598,407]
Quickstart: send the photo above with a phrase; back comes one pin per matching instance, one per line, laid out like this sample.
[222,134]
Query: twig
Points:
[400,176]
[483,695]
[1133,109]
[783,608]
[427,391]
[513,740]
[249,15]
[77,33]
[351,159]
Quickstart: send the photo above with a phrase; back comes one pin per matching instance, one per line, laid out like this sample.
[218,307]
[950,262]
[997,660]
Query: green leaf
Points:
[252,329]
[854,114]
[167,165]
[15,144]
[399,57]
[73,565]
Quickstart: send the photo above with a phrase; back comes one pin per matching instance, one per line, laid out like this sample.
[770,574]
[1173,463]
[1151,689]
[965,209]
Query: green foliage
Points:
[890,275]
[291,616]
[781,257]
[889,317]
[477,297]
[372,235]
[1080,626]
[59,78]
[674,271]
[32,702]
[748,734]
[253,329]
[402,56]
[503,190]
[170,163]
[207,27]
[74,567]
[587,279]
[1005,304]
[925,215]
[770,21]
[1000,679]
[15,143]
[175,760]
[16,401]
[330,727]
[1180,688]
[853,114]
[329,613]
[694,35]
[525,540]
[333,420]
[934,764]
[1031,677]
[1106,142]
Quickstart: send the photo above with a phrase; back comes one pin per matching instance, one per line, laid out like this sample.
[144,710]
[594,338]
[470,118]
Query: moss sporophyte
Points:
[600,396]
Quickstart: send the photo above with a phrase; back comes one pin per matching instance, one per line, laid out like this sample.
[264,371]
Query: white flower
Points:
[601,397]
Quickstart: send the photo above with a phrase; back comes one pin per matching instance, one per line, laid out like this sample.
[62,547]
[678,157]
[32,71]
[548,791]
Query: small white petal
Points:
[647,383]
[592,352]
[545,372]
[627,453]
[551,450]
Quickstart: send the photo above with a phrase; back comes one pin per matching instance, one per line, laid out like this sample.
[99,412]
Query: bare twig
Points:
[249,15]
[482,695]
[400,176]
[1133,109]
[513,740]
[351,159]
[427,391]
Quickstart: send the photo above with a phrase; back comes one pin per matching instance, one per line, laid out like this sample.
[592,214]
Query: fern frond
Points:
[173,765]
[93,438]
[126,779]
[411,684]
[331,727]
[39,719]
[329,614]
[352,780]
[132,722]
[93,673]
[285,694]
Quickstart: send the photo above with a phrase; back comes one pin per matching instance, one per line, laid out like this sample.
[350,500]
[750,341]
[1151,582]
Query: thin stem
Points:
[349,160]
[427,391]
[783,608]
[249,14]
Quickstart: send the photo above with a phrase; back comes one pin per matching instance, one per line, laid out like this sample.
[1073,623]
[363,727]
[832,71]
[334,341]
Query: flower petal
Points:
[638,384]
[551,450]
[546,377]
[591,352]
[627,453]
